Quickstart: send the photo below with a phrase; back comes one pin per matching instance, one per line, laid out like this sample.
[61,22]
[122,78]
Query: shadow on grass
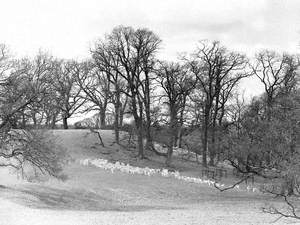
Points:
[41,197]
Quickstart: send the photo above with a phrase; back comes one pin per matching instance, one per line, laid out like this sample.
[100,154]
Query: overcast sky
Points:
[66,28]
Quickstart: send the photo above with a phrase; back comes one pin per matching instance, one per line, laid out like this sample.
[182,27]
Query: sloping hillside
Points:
[93,196]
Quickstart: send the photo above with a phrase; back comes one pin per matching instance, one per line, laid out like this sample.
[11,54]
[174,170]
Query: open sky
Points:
[67,28]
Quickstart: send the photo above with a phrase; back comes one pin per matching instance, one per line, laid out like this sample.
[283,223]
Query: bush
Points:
[32,150]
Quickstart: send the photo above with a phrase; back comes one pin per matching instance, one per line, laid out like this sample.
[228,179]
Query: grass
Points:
[92,196]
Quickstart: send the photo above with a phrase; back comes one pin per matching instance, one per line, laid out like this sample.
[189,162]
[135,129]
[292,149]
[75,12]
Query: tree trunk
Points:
[205,136]
[121,118]
[53,122]
[173,133]
[33,114]
[148,131]
[117,134]
[140,129]
[169,153]
[216,110]
[102,115]
[180,134]
[175,143]
[65,122]
[140,144]
[117,112]
[221,132]
[122,110]
[170,145]
[212,150]
[147,112]
[138,119]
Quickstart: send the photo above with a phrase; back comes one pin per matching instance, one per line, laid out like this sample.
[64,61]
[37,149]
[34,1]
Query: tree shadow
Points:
[42,197]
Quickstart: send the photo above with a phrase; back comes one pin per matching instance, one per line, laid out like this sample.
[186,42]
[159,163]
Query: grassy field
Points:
[93,196]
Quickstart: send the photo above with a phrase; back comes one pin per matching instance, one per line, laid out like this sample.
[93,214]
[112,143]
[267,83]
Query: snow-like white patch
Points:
[126,168]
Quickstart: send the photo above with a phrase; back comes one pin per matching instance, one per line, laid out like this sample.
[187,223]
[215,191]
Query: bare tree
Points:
[274,71]
[215,68]
[20,147]
[130,54]
[95,85]
[36,72]
[176,84]
[105,62]
[67,92]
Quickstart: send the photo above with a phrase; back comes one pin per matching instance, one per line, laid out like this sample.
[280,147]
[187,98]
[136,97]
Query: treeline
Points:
[166,99]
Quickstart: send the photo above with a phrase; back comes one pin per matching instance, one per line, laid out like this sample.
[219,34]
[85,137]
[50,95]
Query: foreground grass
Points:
[92,196]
